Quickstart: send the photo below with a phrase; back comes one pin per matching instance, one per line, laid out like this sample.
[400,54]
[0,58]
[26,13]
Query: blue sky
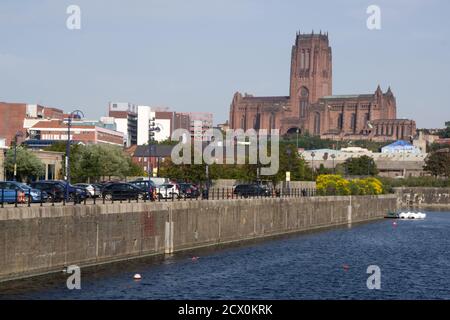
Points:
[193,55]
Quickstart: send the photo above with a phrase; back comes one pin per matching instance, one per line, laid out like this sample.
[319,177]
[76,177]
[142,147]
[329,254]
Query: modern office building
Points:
[125,118]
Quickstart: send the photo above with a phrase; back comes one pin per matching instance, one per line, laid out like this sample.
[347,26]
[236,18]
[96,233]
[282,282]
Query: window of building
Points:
[340,123]
[272,121]
[353,121]
[304,98]
[317,123]
[308,54]
[302,60]
[243,122]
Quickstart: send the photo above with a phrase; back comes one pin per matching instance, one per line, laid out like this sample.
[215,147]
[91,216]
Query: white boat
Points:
[412,215]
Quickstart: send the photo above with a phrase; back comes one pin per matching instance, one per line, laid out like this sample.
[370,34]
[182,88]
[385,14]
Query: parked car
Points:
[168,190]
[34,195]
[92,190]
[189,190]
[55,192]
[147,186]
[74,192]
[12,196]
[123,191]
[251,190]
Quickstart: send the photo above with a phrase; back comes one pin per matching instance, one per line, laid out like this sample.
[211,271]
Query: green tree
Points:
[438,163]
[28,165]
[360,166]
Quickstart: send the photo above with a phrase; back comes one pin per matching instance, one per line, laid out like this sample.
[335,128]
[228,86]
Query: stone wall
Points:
[39,240]
[424,197]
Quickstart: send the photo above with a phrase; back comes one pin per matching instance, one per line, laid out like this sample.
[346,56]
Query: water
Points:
[414,258]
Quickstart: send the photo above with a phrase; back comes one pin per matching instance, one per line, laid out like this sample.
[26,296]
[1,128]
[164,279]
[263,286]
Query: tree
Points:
[28,165]
[360,166]
[438,163]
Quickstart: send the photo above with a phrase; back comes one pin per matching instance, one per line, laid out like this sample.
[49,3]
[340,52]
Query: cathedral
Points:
[312,108]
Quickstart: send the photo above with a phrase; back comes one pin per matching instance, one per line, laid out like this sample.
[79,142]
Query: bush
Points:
[335,185]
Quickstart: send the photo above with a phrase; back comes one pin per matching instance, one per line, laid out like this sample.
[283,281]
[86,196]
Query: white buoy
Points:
[137,276]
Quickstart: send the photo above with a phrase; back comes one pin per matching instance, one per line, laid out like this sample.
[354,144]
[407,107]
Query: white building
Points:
[125,118]
[144,117]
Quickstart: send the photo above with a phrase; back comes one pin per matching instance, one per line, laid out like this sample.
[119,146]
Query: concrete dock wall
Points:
[39,240]
[424,197]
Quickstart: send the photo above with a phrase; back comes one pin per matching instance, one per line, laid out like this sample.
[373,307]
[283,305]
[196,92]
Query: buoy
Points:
[346,267]
[394,223]
[194,258]
[137,276]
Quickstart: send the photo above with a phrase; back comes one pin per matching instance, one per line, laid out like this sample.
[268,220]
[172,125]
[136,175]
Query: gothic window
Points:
[243,122]
[366,118]
[303,108]
[353,122]
[308,53]
[317,123]
[304,97]
[340,123]
[272,121]
[302,60]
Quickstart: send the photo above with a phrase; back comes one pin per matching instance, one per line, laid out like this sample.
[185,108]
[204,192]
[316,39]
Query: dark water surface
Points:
[414,258]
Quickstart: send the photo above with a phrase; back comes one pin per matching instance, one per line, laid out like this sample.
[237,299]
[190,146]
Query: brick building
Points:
[56,130]
[18,117]
[311,107]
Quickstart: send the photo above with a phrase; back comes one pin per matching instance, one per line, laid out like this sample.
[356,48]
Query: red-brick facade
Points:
[311,107]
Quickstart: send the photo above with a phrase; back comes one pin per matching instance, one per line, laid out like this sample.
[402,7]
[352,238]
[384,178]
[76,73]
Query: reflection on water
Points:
[413,257]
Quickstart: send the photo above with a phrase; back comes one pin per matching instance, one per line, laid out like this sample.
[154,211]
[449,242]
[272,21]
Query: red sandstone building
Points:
[311,107]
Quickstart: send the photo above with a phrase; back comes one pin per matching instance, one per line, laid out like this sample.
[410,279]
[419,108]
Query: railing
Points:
[26,200]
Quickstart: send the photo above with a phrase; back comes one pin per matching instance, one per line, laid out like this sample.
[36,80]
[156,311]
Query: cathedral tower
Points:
[311,72]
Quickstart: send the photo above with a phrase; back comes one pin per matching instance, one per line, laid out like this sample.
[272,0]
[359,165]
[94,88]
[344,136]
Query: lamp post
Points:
[333,156]
[288,153]
[313,154]
[74,114]
[151,138]
[18,134]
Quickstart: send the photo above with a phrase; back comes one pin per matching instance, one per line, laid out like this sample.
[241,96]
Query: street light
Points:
[289,152]
[312,156]
[18,134]
[151,138]
[78,115]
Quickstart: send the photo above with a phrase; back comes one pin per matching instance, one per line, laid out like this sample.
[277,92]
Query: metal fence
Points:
[22,200]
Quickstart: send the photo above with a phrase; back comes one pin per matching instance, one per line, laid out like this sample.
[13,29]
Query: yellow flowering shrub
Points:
[331,185]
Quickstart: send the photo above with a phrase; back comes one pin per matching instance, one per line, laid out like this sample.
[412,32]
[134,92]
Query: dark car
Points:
[146,186]
[33,195]
[123,191]
[189,190]
[75,192]
[55,191]
[251,190]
